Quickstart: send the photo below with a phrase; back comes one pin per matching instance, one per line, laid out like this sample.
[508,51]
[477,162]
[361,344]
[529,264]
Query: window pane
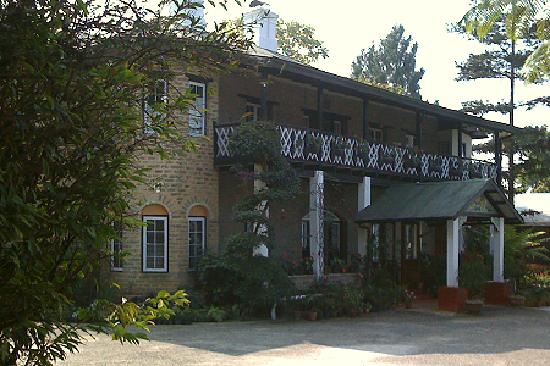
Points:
[159,250]
[150,238]
[150,225]
[159,262]
[150,262]
[159,225]
[159,238]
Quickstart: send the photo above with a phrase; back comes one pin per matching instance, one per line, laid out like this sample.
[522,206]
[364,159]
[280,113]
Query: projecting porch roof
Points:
[476,198]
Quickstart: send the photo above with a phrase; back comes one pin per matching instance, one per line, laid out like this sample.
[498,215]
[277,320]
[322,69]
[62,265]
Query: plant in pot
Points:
[408,297]
[363,152]
[473,274]
[339,146]
[313,145]
[337,265]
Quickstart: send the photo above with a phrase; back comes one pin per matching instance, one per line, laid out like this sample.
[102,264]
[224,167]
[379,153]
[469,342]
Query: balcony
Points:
[326,150]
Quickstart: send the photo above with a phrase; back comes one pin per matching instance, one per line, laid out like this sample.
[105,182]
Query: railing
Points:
[326,149]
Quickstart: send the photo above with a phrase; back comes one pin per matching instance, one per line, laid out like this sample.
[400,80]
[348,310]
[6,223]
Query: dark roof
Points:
[436,201]
[283,65]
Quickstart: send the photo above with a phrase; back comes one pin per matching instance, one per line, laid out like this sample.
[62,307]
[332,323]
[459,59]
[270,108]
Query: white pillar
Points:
[363,200]
[262,230]
[452,253]
[497,243]
[316,222]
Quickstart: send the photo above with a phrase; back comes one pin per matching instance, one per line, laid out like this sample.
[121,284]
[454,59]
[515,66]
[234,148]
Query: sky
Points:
[348,26]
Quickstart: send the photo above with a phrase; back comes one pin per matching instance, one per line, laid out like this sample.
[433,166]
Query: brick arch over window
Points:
[154,210]
[198,210]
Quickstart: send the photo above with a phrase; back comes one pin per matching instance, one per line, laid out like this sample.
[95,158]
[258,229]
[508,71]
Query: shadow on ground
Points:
[395,333]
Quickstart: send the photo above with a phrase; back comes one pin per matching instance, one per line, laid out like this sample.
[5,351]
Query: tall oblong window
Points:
[155,239]
[197,245]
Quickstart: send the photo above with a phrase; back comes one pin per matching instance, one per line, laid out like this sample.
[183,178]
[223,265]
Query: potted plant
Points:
[516,300]
[313,145]
[408,297]
[473,276]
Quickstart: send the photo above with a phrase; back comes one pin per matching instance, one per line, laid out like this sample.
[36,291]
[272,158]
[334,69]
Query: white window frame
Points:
[202,220]
[410,140]
[112,249]
[144,240]
[376,131]
[146,108]
[195,111]
[255,114]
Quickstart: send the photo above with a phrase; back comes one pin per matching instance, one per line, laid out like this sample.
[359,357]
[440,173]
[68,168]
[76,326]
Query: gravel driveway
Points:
[500,336]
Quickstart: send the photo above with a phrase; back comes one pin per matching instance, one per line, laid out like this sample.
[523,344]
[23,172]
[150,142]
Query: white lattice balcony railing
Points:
[308,146]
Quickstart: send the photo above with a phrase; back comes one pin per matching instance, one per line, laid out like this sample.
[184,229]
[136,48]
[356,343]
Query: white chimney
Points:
[264,27]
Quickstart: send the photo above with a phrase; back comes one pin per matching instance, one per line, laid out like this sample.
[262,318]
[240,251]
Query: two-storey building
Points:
[376,168]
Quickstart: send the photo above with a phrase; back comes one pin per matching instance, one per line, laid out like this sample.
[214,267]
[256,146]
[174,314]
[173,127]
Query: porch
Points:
[454,206]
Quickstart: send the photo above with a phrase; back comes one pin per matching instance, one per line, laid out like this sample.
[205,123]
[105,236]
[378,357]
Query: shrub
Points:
[216,314]
[473,274]
[381,291]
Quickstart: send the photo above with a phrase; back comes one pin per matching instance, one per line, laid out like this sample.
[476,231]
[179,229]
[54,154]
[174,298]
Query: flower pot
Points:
[309,315]
[516,300]
[473,306]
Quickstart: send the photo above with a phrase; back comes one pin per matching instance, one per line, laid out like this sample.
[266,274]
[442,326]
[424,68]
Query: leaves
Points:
[297,41]
[71,154]
[390,65]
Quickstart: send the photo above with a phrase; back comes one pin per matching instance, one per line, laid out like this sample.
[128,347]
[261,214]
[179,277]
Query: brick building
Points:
[352,145]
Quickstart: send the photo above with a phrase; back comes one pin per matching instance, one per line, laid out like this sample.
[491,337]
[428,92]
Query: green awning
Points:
[440,201]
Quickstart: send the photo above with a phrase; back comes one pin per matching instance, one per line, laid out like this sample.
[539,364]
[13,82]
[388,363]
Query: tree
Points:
[510,27]
[241,275]
[297,41]
[71,102]
[532,151]
[391,63]
[519,17]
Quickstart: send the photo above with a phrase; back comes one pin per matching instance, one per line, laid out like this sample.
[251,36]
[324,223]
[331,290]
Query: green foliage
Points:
[254,282]
[381,291]
[432,271]
[71,97]
[518,17]
[473,274]
[217,314]
[391,65]
[532,152]
[330,301]
[297,41]
[521,248]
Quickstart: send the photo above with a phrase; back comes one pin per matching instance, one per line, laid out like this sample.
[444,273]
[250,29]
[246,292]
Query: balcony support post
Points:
[365,118]
[498,156]
[261,228]
[459,137]
[363,200]
[320,90]
[316,223]
[419,130]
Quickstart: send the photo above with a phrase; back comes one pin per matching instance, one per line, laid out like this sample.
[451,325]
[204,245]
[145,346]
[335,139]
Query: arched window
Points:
[197,227]
[155,238]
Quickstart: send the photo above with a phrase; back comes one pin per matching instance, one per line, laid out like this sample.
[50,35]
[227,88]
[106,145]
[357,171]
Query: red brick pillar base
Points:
[451,298]
[496,293]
